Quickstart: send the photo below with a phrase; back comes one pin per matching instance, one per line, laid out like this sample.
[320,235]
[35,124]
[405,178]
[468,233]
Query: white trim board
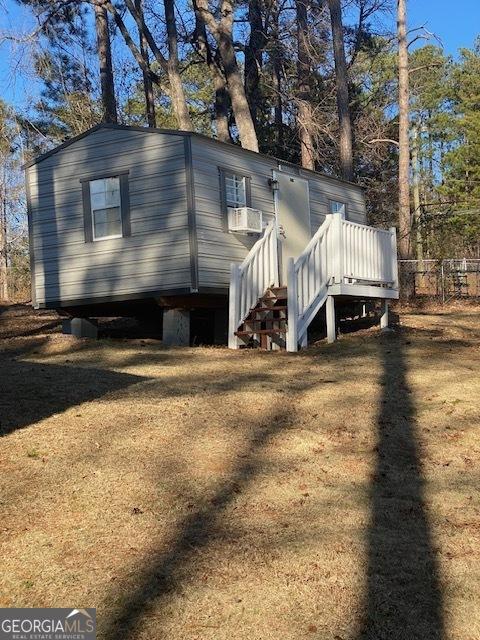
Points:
[362,291]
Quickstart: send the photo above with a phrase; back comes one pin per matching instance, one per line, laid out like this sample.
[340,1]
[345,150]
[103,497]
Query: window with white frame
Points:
[235,190]
[105,204]
[338,207]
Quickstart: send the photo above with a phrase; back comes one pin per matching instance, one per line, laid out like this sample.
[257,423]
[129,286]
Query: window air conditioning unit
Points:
[245,220]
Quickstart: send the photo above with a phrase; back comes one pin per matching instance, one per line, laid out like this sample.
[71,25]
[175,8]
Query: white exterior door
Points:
[292,208]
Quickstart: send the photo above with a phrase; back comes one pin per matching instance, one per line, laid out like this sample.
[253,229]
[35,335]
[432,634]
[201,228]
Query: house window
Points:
[106,208]
[338,207]
[235,190]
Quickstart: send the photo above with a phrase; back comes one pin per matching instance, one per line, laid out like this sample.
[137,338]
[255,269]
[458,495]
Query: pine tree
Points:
[66,106]
[461,165]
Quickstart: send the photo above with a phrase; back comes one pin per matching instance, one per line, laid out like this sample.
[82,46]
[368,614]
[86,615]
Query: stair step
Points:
[265,332]
[275,308]
[259,321]
[271,323]
[274,298]
[276,292]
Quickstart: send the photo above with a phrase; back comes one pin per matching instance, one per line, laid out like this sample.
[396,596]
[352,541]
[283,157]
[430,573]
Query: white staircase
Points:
[343,258]
[250,280]
[307,282]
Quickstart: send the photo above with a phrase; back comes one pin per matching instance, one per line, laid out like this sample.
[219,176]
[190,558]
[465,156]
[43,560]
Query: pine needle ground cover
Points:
[208,494]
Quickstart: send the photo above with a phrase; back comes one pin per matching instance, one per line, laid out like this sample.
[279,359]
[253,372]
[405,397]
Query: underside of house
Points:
[126,220]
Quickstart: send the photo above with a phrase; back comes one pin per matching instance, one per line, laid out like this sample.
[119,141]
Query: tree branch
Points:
[387,140]
[128,39]
[162,61]
[425,66]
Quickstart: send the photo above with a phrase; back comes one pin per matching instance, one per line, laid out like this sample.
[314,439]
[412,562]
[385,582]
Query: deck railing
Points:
[340,252]
[307,282]
[250,279]
[369,254]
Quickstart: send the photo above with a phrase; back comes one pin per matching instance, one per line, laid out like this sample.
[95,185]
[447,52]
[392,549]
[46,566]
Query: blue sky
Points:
[456,24]
[15,86]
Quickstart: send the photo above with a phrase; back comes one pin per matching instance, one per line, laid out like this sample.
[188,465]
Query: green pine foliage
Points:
[199,92]
[460,164]
[66,106]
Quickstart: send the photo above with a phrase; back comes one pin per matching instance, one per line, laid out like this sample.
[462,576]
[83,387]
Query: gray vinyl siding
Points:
[323,189]
[218,248]
[156,256]
[178,225]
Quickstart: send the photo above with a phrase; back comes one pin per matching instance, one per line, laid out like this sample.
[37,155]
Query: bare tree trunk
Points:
[254,57]
[221,105]
[343,103]
[170,67]
[109,104]
[177,93]
[403,129]
[276,56]
[3,239]
[243,117]
[278,110]
[213,62]
[141,61]
[417,206]
[407,282]
[179,103]
[147,80]
[304,111]
[430,150]
[223,33]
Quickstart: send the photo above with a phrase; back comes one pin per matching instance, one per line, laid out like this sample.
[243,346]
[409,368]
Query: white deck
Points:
[343,258]
[359,290]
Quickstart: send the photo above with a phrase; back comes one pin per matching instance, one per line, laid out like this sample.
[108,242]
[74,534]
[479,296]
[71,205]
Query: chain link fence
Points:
[445,280]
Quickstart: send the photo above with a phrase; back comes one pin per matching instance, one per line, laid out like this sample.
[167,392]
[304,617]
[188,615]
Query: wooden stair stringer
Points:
[266,322]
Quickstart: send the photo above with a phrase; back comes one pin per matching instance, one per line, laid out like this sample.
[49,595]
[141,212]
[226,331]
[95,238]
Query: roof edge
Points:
[97,127]
[178,132]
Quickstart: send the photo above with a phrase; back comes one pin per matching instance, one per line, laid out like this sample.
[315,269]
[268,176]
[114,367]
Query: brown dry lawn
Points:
[207,494]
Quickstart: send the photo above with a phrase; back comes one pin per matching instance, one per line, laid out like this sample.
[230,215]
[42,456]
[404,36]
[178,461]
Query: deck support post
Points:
[393,257]
[331,323]
[233,306]
[176,328]
[337,232]
[292,319]
[80,327]
[384,315]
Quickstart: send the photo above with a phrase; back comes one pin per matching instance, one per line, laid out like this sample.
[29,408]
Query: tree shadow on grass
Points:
[162,573]
[31,391]
[404,598]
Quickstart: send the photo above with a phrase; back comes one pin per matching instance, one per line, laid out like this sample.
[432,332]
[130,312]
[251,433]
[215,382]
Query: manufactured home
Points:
[123,215]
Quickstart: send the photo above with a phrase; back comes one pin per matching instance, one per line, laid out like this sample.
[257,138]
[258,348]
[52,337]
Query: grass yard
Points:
[215,495]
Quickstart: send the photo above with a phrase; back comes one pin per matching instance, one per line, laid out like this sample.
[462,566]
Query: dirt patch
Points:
[203,493]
